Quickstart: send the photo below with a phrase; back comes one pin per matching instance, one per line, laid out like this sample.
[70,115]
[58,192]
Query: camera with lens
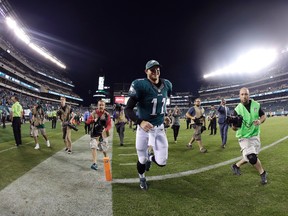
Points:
[118,107]
[102,122]
[72,126]
[235,121]
[98,128]
[59,113]
[197,121]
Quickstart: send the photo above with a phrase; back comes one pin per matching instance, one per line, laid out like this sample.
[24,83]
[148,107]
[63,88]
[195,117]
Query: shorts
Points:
[250,145]
[101,146]
[197,132]
[35,131]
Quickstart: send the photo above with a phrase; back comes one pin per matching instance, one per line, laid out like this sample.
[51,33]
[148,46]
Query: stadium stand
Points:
[268,87]
[27,75]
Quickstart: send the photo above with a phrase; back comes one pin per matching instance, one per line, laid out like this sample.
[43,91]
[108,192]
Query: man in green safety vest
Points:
[248,133]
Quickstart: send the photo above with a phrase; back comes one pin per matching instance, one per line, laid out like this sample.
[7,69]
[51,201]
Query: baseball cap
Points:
[151,64]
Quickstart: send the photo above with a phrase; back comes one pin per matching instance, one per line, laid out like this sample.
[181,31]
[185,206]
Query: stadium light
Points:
[253,61]
[26,39]
[18,31]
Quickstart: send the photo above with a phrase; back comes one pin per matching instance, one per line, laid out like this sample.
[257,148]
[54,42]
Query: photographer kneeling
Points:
[248,133]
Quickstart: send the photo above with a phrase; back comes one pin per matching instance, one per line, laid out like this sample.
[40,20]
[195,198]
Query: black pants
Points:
[87,128]
[120,130]
[16,125]
[213,126]
[175,131]
[54,121]
[4,121]
[188,121]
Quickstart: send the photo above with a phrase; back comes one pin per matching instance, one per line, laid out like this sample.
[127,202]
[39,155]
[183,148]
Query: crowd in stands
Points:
[269,87]
[28,102]
[22,67]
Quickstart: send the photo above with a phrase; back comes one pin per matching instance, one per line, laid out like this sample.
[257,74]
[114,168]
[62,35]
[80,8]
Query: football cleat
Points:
[143,184]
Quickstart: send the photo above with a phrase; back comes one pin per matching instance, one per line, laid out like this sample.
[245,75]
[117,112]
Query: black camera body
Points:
[203,128]
[102,122]
[197,120]
[118,107]
[98,127]
[73,127]
[235,121]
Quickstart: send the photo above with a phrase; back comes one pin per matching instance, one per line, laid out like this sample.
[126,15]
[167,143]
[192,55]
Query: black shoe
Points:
[235,169]
[121,144]
[143,184]
[264,177]
[94,166]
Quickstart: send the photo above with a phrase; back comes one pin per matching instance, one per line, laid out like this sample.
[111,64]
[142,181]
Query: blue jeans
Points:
[223,132]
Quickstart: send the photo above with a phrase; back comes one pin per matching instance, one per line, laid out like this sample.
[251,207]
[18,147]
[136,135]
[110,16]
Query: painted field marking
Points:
[192,172]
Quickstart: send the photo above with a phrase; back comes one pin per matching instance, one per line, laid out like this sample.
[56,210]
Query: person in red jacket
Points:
[100,121]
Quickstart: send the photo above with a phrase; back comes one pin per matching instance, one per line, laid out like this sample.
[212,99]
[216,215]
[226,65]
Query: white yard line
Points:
[192,172]
[127,164]
[133,154]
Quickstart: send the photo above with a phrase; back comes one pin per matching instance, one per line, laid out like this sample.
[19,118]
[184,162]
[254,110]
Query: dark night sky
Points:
[117,38]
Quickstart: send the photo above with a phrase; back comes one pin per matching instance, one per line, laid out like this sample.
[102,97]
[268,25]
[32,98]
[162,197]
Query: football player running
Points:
[149,95]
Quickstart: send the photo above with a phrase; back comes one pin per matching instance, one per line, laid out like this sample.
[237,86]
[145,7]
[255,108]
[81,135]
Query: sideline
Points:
[61,185]
[192,172]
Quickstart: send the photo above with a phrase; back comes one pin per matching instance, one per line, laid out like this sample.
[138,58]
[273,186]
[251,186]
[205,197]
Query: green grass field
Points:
[213,192]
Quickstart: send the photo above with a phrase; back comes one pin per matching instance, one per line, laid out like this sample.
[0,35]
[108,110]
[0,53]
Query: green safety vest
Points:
[248,129]
[54,113]
[17,109]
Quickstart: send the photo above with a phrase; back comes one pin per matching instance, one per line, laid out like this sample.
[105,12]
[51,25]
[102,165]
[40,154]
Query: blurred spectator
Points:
[3,118]
[196,114]
[54,119]
[213,120]
[223,111]
[16,114]
[38,124]
[176,122]
[85,117]
[66,115]
[120,121]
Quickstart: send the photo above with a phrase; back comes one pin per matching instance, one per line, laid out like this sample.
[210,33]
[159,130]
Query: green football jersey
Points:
[151,100]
